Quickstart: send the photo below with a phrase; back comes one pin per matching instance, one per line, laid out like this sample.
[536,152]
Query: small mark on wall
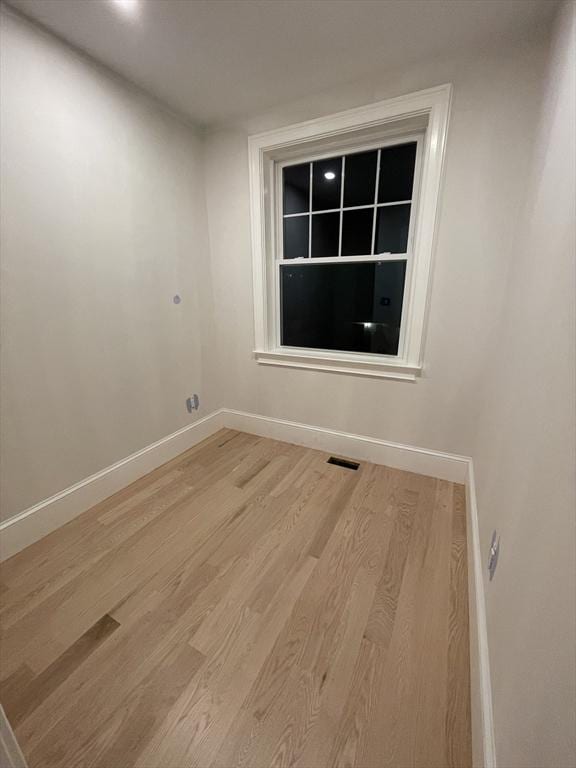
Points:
[176,299]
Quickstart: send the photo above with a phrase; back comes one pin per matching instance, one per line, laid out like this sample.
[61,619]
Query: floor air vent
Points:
[343,463]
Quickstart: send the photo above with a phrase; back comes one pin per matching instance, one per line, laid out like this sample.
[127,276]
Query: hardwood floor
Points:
[250,605]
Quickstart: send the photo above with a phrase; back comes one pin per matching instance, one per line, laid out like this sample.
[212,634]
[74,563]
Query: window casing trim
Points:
[428,110]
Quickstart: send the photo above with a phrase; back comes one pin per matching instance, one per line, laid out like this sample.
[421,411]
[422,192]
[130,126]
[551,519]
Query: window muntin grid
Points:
[366,230]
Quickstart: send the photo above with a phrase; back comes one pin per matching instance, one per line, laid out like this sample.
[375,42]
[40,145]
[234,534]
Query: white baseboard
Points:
[483,743]
[446,466]
[38,521]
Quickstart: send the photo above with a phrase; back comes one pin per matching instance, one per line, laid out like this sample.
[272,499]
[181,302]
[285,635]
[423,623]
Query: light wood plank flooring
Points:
[250,605]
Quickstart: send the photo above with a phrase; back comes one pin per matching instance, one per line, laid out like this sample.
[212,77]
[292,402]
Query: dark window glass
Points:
[360,179]
[352,307]
[326,180]
[357,232]
[296,237]
[325,234]
[392,229]
[396,173]
[297,188]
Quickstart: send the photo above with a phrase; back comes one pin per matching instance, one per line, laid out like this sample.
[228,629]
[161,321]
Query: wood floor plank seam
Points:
[31,695]
[100,602]
[163,604]
[246,605]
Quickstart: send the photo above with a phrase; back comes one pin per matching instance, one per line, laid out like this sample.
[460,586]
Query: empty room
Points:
[288,384]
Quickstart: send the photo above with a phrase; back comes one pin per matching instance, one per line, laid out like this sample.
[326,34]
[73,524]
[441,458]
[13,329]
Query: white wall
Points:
[103,221]
[525,455]
[490,134]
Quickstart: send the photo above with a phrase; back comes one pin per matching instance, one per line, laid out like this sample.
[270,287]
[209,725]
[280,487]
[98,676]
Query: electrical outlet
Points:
[192,403]
[494,554]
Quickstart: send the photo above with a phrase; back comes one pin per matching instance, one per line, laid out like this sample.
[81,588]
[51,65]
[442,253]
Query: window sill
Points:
[359,367]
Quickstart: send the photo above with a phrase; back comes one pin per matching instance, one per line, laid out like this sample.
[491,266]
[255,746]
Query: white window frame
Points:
[422,116]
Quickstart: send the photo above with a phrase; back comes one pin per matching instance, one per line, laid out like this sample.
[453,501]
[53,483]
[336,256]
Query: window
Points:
[358,206]
[343,213]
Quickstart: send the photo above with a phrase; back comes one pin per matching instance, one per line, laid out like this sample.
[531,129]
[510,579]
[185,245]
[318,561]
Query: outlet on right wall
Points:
[525,451]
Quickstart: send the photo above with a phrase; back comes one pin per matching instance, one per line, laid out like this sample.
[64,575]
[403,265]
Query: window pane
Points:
[297,188]
[357,232]
[360,179]
[325,234]
[326,180]
[296,237]
[352,307]
[396,173]
[392,229]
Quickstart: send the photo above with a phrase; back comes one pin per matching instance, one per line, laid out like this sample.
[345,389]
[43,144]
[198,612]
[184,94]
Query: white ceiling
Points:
[216,59]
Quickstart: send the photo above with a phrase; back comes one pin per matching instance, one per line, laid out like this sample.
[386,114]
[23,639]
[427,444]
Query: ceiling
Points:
[216,59]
